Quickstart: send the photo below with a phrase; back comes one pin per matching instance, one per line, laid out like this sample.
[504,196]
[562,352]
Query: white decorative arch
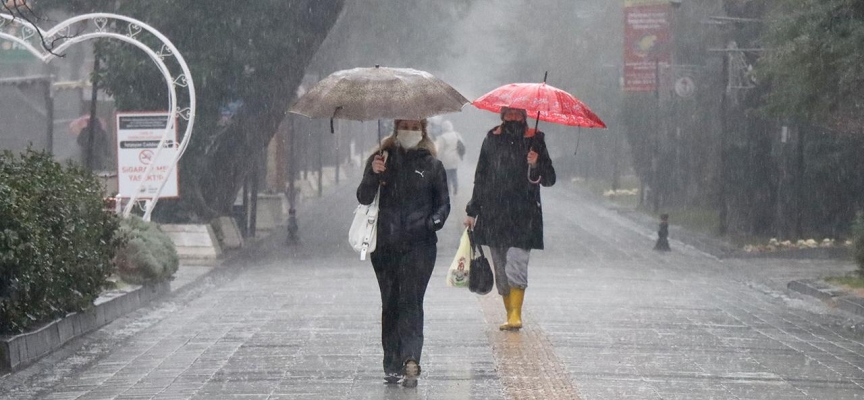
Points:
[47,45]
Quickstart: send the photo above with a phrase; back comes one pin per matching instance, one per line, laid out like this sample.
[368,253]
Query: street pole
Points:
[722,225]
[253,199]
[245,205]
[799,186]
[292,192]
[616,171]
[655,178]
[94,96]
[320,165]
[49,113]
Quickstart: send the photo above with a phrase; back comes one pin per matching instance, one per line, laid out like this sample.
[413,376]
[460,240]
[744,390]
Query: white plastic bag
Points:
[457,275]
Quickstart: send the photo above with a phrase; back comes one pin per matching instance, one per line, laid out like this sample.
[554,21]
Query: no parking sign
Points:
[685,87]
[138,136]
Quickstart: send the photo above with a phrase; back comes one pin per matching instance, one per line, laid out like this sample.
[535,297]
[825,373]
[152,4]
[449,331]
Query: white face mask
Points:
[409,139]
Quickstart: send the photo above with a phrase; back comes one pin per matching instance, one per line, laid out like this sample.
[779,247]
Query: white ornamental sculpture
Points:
[48,45]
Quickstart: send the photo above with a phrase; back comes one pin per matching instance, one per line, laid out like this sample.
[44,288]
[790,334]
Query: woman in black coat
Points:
[505,209]
[413,205]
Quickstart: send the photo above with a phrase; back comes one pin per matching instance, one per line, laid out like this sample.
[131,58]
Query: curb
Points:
[820,253]
[717,247]
[21,350]
[830,294]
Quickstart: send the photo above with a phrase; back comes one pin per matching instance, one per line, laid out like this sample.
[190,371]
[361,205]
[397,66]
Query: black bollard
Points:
[293,238]
[663,234]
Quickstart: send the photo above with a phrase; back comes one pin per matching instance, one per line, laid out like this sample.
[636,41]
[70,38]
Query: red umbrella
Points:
[77,125]
[546,102]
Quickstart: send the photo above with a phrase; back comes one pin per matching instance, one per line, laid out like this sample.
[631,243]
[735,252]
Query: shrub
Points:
[858,242]
[56,242]
[148,255]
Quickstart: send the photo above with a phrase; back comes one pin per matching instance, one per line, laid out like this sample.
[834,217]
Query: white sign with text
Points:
[138,136]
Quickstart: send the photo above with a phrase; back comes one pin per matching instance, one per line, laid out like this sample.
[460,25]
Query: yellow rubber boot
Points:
[509,309]
[514,318]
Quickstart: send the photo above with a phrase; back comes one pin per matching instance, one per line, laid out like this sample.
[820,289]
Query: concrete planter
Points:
[193,241]
[21,350]
[272,211]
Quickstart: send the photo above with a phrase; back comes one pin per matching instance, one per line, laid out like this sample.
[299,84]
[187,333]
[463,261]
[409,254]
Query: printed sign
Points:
[647,43]
[685,87]
[138,136]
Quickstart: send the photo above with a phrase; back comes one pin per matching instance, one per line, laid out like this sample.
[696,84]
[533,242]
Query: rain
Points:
[344,199]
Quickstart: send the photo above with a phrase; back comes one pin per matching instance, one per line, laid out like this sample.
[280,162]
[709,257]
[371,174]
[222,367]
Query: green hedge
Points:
[56,241]
[148,255]
[858,242]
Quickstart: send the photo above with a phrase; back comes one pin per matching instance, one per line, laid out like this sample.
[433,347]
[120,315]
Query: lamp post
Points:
[731,47]
[293,227]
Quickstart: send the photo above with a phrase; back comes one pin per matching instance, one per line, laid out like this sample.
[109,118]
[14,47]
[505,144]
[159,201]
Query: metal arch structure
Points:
[47,45]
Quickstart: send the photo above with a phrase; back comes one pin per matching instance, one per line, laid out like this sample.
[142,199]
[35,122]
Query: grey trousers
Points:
[511,268]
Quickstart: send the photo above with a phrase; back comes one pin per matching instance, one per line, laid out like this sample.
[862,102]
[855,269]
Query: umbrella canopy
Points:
[78,124]
[553,104]
[364,94]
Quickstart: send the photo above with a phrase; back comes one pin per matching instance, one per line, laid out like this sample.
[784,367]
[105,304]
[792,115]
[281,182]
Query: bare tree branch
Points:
[14,8]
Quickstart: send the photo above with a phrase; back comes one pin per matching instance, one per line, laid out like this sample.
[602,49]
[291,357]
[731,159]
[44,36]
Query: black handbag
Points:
[480,277]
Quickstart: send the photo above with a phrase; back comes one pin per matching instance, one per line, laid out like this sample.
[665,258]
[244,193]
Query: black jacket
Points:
[506,204]
[414,201]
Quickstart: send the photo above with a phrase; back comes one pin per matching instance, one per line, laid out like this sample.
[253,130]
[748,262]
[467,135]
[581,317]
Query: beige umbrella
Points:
[363,94]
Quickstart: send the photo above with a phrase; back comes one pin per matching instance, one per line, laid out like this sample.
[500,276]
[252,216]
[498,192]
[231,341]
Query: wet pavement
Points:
[606,318]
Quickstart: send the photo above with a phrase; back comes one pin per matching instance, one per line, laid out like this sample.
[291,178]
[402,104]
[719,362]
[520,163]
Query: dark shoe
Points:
[392,378]
[411,371]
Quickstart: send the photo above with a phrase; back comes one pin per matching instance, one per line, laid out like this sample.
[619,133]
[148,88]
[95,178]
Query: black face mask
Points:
[513,128]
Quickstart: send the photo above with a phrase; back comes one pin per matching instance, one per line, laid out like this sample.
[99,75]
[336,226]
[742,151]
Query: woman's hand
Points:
[469,222]
[378,164]
[532,158]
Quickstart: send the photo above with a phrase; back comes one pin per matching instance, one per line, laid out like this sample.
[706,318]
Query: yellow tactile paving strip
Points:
[526,362]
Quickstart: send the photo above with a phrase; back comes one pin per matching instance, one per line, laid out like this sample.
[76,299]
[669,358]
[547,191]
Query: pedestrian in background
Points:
[413,204]
[451,151]
[505,210]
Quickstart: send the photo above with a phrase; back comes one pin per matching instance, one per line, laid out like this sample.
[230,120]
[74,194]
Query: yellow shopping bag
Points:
[457,275]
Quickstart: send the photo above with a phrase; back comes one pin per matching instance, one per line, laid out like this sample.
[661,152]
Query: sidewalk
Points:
[605,318]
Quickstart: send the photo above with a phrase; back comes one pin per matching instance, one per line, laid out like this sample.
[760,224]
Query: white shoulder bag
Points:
[363,235]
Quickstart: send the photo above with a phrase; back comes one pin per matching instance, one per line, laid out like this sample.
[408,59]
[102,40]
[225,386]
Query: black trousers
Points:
[402,279]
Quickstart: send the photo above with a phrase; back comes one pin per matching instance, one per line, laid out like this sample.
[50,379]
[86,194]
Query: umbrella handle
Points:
[530,167]
[537,122]
[332,130]
[531,148]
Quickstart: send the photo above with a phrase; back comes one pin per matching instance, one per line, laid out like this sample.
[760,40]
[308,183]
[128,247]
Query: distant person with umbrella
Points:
[95,143]
[505,210]
[413,204]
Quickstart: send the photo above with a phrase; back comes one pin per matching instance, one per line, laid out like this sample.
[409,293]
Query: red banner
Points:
[647,43]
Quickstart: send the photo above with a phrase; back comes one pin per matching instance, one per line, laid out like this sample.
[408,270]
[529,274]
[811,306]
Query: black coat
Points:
[506,204]
[414,201]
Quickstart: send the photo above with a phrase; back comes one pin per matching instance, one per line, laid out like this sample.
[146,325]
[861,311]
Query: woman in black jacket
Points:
[505,209]
[413,205]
